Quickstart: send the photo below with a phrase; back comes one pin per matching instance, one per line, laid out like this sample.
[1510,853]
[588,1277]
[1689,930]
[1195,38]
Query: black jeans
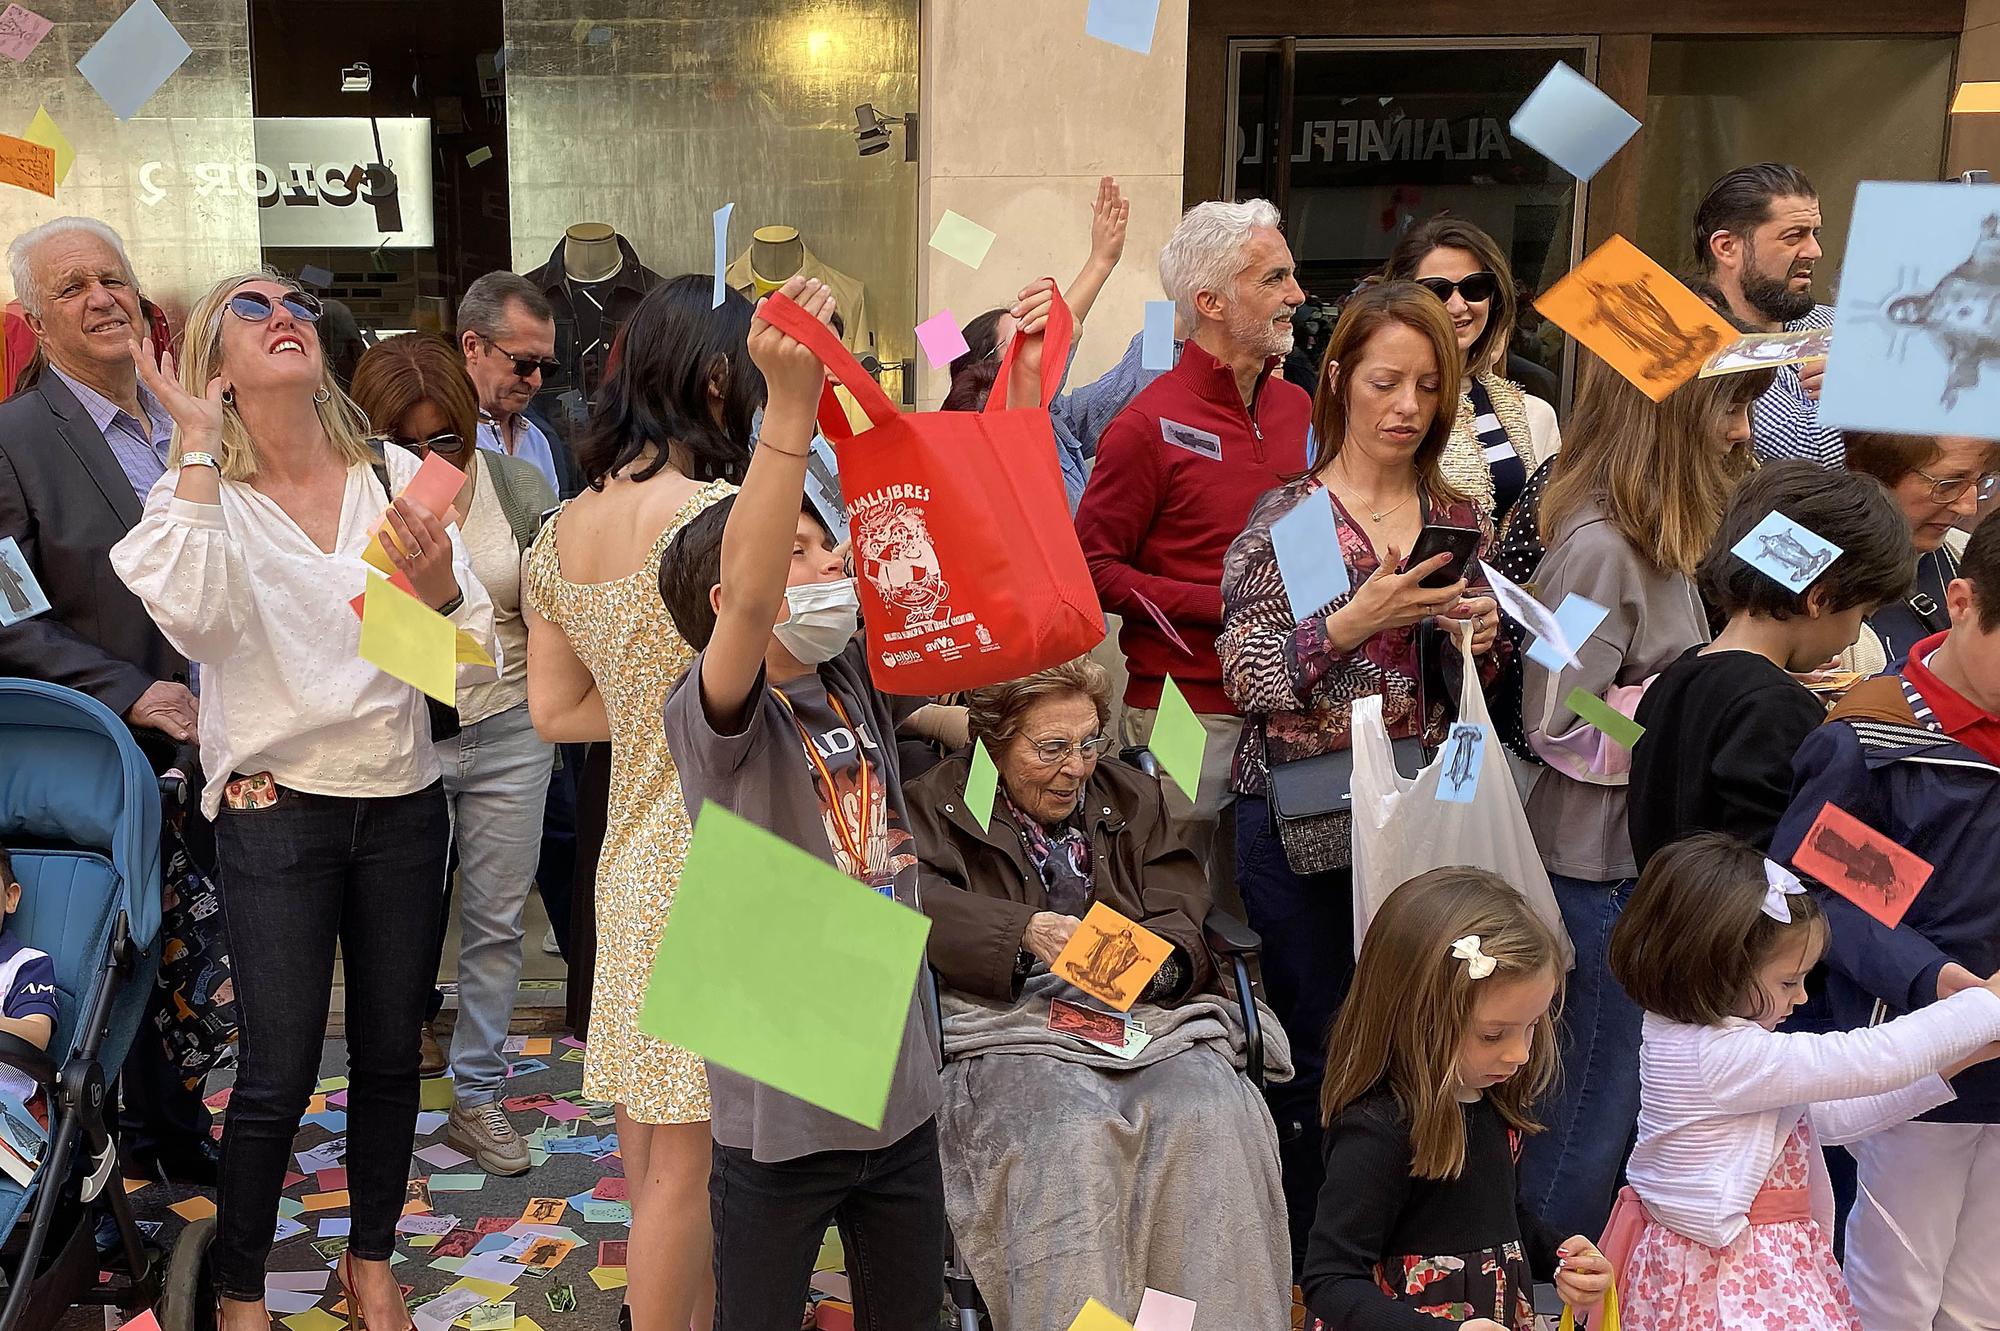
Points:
[1307,924]
[310,871]
[769,1220]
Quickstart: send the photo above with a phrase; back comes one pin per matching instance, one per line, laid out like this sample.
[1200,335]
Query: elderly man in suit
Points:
[78,452]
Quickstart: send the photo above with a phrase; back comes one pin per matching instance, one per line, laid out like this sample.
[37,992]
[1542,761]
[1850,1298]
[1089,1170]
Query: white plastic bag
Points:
[1402,828]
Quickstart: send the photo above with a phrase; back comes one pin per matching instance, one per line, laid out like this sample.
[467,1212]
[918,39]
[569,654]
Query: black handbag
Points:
[1312,802]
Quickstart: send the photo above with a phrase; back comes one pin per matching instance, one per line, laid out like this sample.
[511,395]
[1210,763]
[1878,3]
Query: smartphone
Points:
[1461,543]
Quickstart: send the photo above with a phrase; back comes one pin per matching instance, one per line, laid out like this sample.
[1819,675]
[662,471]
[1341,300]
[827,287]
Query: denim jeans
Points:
[496,777]
[298,877]
[1307,924]
[1569,1173]
[769,1219]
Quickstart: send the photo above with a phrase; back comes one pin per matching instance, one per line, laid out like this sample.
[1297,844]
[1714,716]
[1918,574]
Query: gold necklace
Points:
[1378,515]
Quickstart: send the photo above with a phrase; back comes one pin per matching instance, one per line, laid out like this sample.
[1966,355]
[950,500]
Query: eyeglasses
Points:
[1049,752]
[1475,287]
[255,307]
[524,365]
[1951,487]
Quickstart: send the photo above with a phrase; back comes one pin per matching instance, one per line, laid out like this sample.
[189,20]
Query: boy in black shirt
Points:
[1723,722]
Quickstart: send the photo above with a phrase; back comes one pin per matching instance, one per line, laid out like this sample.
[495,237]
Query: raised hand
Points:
[419,545]
[199,418]
[792,371]
[1108,216]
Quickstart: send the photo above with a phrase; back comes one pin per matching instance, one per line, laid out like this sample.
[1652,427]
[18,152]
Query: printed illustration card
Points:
[1767,351]
[1917,334]
[1861,864]
[1637,316]
[1111,958]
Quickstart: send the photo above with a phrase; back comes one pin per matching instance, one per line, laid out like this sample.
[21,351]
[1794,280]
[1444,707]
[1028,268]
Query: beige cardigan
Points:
[1530,423]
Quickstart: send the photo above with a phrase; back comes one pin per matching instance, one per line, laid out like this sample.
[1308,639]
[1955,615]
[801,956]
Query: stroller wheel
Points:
[187,1295]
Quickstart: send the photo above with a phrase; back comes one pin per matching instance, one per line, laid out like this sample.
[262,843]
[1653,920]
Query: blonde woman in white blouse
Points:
[330,817]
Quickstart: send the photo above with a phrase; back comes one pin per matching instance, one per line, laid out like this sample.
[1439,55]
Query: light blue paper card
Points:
[1785,552]
[1916,348]
[523,1067]
[335,1227]
[133,58]
[21,597]
[1307,544]
[721,252]
[1126,23]
[1578,617]
[1570,121]
[1463,753]
[823,488]
[314,276]
[1156,349]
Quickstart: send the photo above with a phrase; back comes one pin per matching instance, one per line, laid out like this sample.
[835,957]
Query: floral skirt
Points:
[1772,1278]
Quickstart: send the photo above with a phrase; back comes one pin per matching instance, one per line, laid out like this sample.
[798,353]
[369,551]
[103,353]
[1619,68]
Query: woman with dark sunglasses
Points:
[1501,434]
[330,817]
[417,395]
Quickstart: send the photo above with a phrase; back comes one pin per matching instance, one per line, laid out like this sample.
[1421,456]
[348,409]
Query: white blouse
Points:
[1716,1103]
[239,588]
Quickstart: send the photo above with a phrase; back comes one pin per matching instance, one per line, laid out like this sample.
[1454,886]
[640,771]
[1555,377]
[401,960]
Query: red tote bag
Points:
[967,561]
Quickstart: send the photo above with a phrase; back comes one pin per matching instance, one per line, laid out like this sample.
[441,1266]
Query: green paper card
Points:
[1619,728]
[982,786]
[1178,739]
[740,977]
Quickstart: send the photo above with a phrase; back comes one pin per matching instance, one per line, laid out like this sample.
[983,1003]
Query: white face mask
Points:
[823,617]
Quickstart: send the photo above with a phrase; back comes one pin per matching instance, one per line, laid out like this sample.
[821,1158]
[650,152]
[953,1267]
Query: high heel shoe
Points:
[355,1321]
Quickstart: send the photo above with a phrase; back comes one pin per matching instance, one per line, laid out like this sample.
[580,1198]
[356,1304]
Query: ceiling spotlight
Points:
[357,77]
[871,131]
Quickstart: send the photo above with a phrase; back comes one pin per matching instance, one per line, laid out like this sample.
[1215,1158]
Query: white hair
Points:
[1206,250]
[21,255]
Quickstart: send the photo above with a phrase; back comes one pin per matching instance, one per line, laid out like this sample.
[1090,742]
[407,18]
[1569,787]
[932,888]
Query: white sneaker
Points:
[549,942]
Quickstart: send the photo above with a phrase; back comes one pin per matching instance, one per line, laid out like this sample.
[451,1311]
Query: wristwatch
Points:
[198,459]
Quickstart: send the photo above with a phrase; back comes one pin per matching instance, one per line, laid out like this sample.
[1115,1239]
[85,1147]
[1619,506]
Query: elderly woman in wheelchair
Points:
[1085,1155]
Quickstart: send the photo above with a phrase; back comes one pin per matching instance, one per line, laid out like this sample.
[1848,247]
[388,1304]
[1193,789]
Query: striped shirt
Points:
[1510,473]
[139,446]
[1784,422]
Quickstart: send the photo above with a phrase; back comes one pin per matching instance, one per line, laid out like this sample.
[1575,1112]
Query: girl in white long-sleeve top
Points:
[331,824]
[1727,1222]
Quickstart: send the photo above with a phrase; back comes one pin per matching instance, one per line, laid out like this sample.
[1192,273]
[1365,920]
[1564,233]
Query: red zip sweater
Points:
[1158,515]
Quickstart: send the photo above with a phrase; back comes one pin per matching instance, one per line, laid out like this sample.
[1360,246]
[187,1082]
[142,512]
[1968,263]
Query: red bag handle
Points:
[1055,355]
[781,311]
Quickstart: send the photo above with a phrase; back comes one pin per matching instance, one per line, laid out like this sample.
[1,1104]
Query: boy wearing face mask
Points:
[777,720]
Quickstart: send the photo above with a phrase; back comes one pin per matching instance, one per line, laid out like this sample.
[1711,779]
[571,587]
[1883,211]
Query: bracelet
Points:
[198,459]
[451,607]
[784,452]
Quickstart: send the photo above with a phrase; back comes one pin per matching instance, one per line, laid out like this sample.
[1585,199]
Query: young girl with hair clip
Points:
[1435,1061]
[1727,1222]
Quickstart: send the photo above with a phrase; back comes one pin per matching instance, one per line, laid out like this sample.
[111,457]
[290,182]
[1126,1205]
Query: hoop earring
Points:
[228,397]
[322,397]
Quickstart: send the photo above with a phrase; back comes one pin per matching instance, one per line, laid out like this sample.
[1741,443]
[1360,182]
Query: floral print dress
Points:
[1779,1277]
[1492,1282]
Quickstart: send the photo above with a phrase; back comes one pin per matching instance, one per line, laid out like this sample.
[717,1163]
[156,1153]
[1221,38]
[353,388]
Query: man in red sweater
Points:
[1177,473]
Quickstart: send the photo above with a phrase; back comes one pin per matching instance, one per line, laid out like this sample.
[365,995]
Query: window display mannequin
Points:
[594,280]
[776,254]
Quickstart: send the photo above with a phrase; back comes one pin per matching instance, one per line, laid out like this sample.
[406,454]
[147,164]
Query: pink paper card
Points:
[941,339]
[21,31]
[434,486]
[562,1111]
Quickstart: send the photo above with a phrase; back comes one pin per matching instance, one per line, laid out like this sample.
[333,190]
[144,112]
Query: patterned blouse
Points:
[1295,689]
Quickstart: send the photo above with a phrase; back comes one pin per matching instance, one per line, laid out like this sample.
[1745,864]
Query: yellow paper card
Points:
[434,1093]
[1976,98]
[1111,958]
[403,637]
[1637,317]
[962,238]
[608,1277]
[536,1046]
[490,1290]
[377,556]
[193,1209]
[471,653]
[313,1319]
[42,129]
[1096,1317]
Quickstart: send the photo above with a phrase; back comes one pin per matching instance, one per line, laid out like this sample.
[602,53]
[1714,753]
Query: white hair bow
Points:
[1779,883]
[1477,964]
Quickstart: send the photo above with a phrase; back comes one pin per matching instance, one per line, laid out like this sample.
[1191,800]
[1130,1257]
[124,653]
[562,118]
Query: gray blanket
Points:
[1071,1173]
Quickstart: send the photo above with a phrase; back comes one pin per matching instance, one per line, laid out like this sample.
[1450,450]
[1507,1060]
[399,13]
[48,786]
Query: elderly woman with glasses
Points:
[1942,483]
[330,818]
[1085,1158]
[417,395]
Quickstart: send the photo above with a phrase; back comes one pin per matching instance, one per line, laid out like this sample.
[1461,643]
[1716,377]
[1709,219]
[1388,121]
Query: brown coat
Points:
[980,889]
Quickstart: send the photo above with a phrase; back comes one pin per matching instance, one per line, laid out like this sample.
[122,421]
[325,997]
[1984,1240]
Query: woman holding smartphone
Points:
[1381,419]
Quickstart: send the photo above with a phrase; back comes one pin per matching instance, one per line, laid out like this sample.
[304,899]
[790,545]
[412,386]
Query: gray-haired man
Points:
[507,332]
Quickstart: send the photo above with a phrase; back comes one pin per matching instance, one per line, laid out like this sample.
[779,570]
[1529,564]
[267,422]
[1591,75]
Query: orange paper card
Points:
[434,486]
[1976,99]
[1111,958]
[325,1201]
[29,165]
[1637,317]
[1861,864]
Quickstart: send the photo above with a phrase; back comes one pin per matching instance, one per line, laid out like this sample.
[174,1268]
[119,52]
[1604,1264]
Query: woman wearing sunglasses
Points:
[1501,434]
[417,395]
[330,818]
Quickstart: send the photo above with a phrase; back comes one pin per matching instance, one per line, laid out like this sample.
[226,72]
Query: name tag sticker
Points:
[1193,440]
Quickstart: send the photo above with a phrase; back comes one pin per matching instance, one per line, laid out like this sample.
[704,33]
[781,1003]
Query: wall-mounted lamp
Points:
[871,131]
[357,77]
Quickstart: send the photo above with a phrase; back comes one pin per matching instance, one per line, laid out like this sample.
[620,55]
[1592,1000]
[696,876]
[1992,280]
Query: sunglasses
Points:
[1475,287]
[448,441]
[524,365]
[255,307]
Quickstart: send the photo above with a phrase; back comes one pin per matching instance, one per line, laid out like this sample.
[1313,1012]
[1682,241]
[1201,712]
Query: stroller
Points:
[80,813]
